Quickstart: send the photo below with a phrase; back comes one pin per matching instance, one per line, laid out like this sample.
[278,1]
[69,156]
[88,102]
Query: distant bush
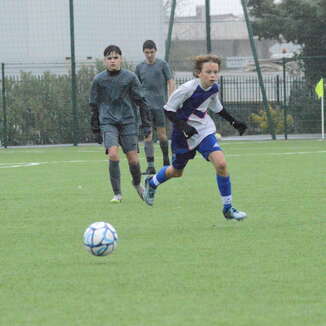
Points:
[39,107]
[260,119]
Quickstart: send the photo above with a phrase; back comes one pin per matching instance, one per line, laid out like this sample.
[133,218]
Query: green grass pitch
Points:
[178,263]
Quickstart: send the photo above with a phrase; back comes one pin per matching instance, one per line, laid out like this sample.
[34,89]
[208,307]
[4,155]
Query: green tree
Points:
[299,21]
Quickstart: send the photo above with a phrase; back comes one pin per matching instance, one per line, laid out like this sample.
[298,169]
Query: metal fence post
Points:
[4,106]
[260,78]
[208,27]
[73,76]
[221,88]
[169,38]
[284,100]
[278,89]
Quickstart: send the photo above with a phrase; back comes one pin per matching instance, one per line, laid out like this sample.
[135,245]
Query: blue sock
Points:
[224,186]
[158,178]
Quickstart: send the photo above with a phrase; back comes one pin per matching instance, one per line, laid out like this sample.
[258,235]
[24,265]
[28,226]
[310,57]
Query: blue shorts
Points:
[208,145]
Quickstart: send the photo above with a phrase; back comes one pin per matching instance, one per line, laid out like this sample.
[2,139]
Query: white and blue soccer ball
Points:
[100,239]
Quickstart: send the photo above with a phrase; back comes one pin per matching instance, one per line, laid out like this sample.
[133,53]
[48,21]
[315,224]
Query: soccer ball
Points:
[218,136]
[100,239]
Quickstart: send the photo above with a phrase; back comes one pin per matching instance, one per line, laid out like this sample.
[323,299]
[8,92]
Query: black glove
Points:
[188,131]
[146,131]
[95,123]
[98,137]
[182,125]
[240,126]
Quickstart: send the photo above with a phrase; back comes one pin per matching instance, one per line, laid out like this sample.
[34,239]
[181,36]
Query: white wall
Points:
[220,30]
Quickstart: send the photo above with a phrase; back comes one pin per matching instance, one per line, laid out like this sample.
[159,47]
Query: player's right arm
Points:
[93,103]
[170,109]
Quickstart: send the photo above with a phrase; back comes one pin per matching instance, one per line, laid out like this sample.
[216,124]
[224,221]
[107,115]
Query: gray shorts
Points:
[158,118]
[121,135]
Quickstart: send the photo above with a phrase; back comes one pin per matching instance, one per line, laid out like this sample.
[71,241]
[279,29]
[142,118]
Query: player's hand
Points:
[98,137]
[240,126]
[189,131]
[147,131]
[95,123]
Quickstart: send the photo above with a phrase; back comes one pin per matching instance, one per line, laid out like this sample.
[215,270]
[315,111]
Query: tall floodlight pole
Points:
[169,38]
[73,75]
[260,78]
[208,27]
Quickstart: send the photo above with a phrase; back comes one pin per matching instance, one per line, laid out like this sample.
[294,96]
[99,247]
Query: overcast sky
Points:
[217,7]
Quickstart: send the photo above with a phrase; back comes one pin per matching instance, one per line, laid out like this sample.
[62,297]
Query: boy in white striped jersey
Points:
[194,130]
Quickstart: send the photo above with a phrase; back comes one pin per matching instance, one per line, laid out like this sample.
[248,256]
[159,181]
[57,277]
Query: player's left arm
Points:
[169,78]
[171,86]
[136,94]
[218,108]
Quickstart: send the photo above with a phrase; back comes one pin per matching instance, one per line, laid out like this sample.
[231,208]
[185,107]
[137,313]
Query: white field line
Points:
[28,164]
[273,154]
[18,165]
[10,151]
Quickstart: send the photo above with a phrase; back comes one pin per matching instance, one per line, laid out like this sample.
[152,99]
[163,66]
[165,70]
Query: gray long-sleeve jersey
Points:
[153,78]
[115,97]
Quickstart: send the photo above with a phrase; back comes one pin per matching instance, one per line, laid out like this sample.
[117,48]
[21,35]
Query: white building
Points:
[223,27]
[39,30]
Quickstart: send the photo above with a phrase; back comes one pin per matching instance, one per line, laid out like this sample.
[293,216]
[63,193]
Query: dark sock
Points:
[149,152]
[114,173]
[165,151]
[150,162]
[135,173]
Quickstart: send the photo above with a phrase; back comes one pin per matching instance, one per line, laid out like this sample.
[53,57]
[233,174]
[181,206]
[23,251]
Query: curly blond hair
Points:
[201,59]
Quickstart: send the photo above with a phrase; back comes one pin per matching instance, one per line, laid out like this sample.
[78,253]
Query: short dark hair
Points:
[112,48]
[149,44]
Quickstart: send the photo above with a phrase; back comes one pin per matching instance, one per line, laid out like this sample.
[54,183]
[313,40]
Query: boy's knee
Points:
[133,161]
[221,168]
[177,173]
[113,156]
[149,138]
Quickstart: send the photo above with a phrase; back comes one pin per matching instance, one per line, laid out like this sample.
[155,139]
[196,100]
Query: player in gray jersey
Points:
[156,79]
[114,94]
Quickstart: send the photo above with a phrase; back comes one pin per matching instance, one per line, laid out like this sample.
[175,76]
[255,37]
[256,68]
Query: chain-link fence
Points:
[36,98]
[38,106]
[294,106]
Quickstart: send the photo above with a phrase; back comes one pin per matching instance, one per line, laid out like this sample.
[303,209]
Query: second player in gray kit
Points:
[156,79]
[114,94]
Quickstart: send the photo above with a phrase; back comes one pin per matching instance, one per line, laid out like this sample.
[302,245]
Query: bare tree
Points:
[179,6]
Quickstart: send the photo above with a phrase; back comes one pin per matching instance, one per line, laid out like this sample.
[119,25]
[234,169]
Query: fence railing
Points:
[36,107]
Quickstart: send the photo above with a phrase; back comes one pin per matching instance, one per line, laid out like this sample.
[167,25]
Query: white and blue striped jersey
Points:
[191,102]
